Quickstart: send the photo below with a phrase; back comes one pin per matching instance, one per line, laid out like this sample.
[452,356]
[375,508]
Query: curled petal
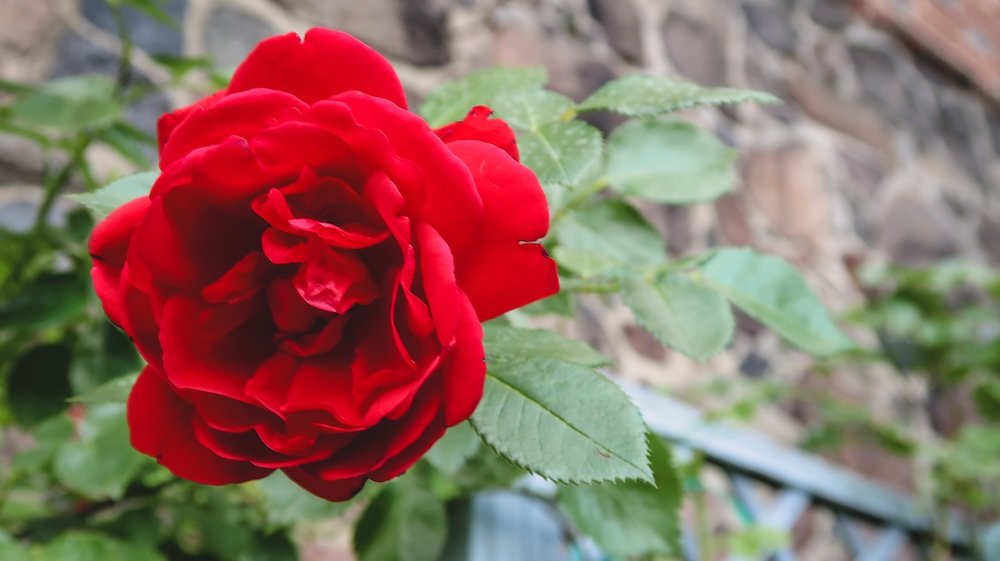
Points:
[323,64]
[109,247]
[478,125]
[161,425]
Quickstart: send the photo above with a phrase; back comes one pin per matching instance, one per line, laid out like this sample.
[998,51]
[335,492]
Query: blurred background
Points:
[877,177]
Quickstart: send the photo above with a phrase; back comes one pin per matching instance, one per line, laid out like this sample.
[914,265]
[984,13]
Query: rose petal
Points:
[334,280]
[160,425]
[323,64]
[108,247]
[504,276]
[238,114]
[477,125]
[169,121]
[335,490]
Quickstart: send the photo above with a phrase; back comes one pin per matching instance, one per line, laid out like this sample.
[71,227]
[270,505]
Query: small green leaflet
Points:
[563,421]
[112,391]
[630,519]
[683,315]
[403,523]
[287,503]
[564,152]
[503,342]
[530,109]
[113,195]
[645,96]
[85,545]
[69,104]
[100,463]
[668,162]
[457,445]
[771,290]
[605,236]
[452,100]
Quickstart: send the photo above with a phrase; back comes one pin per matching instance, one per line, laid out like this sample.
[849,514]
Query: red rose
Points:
[308,275]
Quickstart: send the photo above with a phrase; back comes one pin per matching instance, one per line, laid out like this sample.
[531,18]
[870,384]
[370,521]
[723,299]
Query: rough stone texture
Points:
[413,30]
[771,23]
[621,23]
[231,33]
[835,14]
[697,47]
[149,34]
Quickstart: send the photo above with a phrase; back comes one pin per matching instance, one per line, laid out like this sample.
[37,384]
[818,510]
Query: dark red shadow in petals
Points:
[247,446]
[108,247]
[214,349]
[477,125]
[334,490]
[271,382]
[160,425]
[239,114]
[245,279]
[185,242]
[229,415]
[323,64]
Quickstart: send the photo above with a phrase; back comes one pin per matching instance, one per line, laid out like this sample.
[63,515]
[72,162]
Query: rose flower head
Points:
[308,275]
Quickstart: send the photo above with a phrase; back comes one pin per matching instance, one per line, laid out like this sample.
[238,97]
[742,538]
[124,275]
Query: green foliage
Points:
[451,101]
[69,104]
[117,193]
[681,313]
[563,152]
[285,503]
[504,342]
[98,462]
[92,546]
[607,236]
[530,109]
[771,290]
[631,518]
[401,524]
[454,449]
[645,96]
[668,162]
[563,421]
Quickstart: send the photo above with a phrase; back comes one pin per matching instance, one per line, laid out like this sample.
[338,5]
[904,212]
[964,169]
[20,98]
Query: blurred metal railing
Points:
[871,521]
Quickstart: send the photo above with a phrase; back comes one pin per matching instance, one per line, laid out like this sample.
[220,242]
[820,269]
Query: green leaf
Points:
[529,109]
[37,386]
[987,399]
[452,100]
[668,162]
[630,519]
[403,523]
[77,545]
[567,153]
[771,290]
[560,304]
[50,300]
[123,139]
[69,104]
[153,9]
[289,504]
[563,421]
[100,463]
[756,541]
[683,315]
[113,195]
[605,236]
[112,391]
[503,342]
[10,550]
[49,435]
[645,96]
[455,448]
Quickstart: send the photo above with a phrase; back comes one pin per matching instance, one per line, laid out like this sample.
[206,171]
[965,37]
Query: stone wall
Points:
[882,151]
